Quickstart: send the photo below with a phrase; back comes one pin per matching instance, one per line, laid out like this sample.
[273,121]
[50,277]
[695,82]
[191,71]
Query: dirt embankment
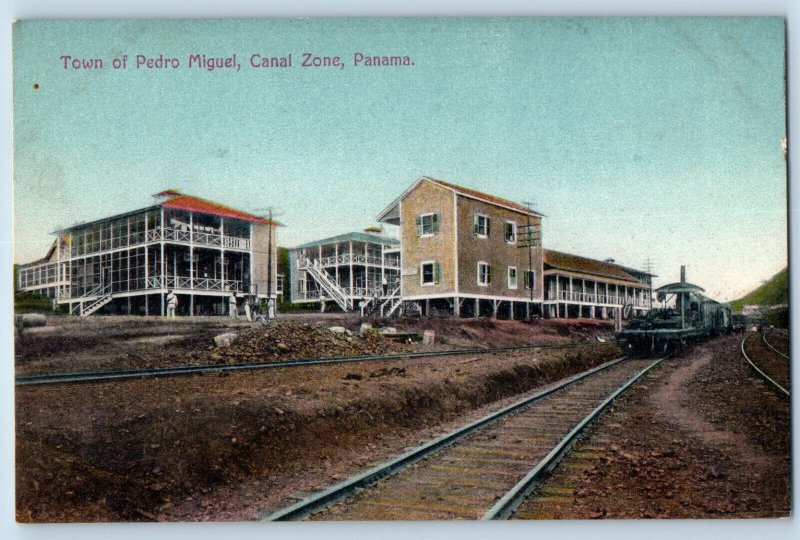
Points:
[140,450]
[109,343]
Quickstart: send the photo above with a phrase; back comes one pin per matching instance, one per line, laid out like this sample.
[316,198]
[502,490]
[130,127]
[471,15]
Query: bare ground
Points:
[115,342]
[700,437]
[227,447]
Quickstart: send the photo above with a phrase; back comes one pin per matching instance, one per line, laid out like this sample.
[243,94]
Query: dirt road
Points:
[701,437]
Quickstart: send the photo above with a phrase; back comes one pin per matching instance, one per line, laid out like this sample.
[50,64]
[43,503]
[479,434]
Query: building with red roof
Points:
[199,249]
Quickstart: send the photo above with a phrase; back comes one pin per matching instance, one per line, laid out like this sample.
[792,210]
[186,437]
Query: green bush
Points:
[777,317]
[25,302]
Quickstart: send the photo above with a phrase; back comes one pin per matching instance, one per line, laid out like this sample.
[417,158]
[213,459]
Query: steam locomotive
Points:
[692,317]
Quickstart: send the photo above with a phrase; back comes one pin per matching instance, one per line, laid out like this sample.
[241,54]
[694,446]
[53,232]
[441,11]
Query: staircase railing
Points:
[327,284]
[392,302]
[107,296]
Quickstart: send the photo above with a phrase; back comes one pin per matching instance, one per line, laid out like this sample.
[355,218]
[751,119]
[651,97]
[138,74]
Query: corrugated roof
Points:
[189,203]
[680,287]
[576,263]
[356,236]
[491,199]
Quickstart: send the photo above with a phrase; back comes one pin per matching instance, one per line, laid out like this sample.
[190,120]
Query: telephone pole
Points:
[270,225]
[528,240]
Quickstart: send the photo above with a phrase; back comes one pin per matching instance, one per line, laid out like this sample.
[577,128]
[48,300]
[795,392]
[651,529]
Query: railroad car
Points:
[691,317]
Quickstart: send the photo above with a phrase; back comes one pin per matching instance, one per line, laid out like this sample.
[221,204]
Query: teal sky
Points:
[638,138]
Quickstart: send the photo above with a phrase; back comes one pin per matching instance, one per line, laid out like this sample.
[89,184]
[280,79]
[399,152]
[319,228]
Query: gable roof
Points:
[179,201]
[485,197]
[575,263]
[46,259]
[464,192]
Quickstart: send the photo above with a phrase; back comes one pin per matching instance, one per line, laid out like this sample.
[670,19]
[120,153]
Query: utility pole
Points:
[270,225]
[648,265]
[527,240]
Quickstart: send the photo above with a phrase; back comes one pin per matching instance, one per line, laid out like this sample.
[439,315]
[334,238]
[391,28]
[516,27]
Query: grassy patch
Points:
[774,291]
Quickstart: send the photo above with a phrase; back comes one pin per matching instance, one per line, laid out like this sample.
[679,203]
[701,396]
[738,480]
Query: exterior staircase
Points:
[328,284]
[391,303]
[105,296]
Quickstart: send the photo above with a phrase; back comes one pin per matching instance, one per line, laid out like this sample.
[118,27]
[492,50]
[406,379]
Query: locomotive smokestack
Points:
[683,274]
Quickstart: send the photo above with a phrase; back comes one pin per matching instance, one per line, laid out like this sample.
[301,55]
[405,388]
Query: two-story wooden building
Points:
[466,252]
[127,263]
[354,270]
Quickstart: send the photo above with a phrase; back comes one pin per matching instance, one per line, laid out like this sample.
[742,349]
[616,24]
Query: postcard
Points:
[400,269]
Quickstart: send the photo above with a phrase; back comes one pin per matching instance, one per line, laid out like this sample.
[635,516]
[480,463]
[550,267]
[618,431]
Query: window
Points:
[484,274]
[431,272]
[511,232]
[427,224]
[530,277]
[512,277]
[481,225]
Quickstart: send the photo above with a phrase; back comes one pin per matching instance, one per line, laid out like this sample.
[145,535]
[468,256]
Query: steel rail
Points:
[94,376]
[769,379]
[354,484]
[506,506]
[768,344]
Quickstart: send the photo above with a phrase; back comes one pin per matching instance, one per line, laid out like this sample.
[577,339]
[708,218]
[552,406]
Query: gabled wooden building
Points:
[466,252]
[126,263]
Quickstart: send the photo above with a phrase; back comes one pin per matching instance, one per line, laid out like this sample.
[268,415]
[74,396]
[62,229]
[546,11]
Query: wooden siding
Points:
[260,248]
[496,251]
[439,247]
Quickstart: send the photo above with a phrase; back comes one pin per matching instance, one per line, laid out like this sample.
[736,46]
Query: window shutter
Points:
[475,223]
[435,223]
[419,225]
[488,274]
[487,225]
[437,276]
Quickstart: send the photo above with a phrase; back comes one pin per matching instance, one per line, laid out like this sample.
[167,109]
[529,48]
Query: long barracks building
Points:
[459,252]
[126,263]
[468,254]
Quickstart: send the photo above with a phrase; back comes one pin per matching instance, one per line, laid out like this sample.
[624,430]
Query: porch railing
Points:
[592,298]
[197,284]
[346,258]
[183,236]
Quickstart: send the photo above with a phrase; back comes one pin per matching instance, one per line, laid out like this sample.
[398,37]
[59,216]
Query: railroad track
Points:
[483,470]
[771,346]
[769,364]
[113,375]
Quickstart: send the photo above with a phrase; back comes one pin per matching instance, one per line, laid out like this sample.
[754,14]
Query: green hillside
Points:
[774,291]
